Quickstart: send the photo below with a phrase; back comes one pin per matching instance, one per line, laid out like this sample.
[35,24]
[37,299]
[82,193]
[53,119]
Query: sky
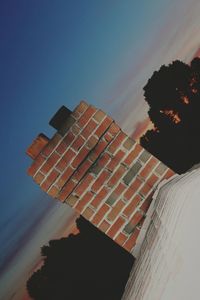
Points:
[57,53]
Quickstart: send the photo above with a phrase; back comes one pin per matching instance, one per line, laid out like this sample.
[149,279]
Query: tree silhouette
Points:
[88,265]
[173,94]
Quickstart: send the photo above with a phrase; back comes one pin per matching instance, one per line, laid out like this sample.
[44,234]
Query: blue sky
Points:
[59,52]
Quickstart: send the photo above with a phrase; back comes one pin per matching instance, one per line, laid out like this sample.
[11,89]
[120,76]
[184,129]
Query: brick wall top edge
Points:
[37,145]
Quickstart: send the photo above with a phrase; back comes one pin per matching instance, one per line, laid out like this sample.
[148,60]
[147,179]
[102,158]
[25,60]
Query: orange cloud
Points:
[141,128]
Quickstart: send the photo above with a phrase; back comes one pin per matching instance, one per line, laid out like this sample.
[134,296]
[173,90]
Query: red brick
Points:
[121,239]
[130,243]
[152,180]
[91,143]
[65,160]
[116,160]
[84,201]
[51,161]
[39,178]
[145,189]
[53,191]
[115,227]
[133,154]
[100,181]
[83,185]
[99,116]
[52,144]
[116,176]
[132,189]
[145,205]
[82,169]
[114,129]
[148,167]
[108,137]
[80,157]
[104,226]
[81,107]
[88,213]
[98,150]
[78,143]
[86,116]
[49,180]
[99,197]
[136,218]
[89,129]
[119,189]
[66,190]
[103,160]
[64,177]
[37,145]
[103,127]
[75,129]
[100,214]
[169,174]
[117,142]
[132,206]
[116,210]
[36,165]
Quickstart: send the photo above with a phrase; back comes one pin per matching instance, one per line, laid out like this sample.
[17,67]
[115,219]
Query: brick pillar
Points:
[93,166]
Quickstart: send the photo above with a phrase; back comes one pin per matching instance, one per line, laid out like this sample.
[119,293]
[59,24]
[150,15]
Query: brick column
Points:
[93,166]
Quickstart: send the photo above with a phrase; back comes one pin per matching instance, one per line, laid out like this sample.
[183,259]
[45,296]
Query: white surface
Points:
[168,265]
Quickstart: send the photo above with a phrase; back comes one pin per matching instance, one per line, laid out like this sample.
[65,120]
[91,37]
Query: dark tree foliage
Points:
[173,94]
[86,266]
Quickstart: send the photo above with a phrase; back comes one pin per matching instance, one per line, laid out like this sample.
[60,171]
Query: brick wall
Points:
[93,166]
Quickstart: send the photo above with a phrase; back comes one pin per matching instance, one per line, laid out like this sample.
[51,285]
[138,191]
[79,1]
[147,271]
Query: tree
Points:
[173,94]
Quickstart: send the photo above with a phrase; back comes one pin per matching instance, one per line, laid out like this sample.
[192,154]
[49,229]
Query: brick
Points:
[136,218]
[129,143]
[115,227]
[108,137]
[113,129]
[160,169]
[53,191]
[121,239]
[38,178]
[99,197]
[80,157]
[132,206]
[37,145]
[115,160]
[87,131]
[119,189]
[86,116]
[99,116]
[134,153]
[65,160]
[132,189]
[75,129]
[91,143]
[112,199]
[68,139]
[145,156]
[103,159]
[82,169]
[152,180]
[130,243]
[132,173]
[83,185]
[66,190]
[78,143]
[88,213]
[72,200]
[51,161]
[100,181]
[117,142]
[81,108]
[103,126]
[145,205]
[148,167]
[104,226]
[145,189]
[52,144]
[83,201]
[36,165]
[97,150]
[116,176]
[49,180]
[116,210]
[100,214]
[168,174]
[64,177]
